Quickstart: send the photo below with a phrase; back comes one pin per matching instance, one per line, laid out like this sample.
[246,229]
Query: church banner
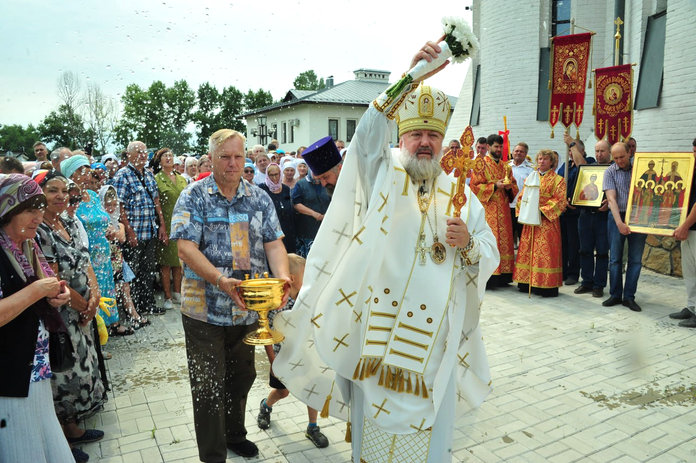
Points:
[568,77]
[614,103]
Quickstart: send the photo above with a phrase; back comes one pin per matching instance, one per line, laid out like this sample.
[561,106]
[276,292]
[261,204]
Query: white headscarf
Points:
[116,215]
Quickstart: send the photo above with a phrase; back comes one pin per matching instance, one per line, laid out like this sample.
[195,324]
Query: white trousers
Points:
[688,252]
[397,448]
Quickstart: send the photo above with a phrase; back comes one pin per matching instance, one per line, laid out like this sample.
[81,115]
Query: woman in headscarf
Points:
[301,169]
[170,185]
[287,167]
[96,222]
[78,392]
[123,274]
[249,172]
[29,294]
[280,195]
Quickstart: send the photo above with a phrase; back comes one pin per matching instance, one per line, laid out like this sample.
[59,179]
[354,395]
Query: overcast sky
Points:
[248,44]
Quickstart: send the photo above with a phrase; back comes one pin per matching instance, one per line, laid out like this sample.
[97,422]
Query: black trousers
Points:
[142,259]
[221,371]
[570,243]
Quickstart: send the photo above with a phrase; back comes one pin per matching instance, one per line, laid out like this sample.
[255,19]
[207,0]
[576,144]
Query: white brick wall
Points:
[511,34]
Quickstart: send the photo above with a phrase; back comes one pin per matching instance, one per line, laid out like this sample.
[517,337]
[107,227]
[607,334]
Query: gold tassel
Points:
[349,435]
[388,379]
[552,132]
[402,382]
[362,371]
[376,365]
[425,389]
[417,391]
[325,410]
[409,386]
[357,369]
[577,133]
[381,377]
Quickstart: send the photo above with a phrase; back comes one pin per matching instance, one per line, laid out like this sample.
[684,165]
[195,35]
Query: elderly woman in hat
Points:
[78,392]
[96,221]
[29,294]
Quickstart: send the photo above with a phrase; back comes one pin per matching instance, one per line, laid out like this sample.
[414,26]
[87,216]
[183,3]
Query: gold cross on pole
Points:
[459,162]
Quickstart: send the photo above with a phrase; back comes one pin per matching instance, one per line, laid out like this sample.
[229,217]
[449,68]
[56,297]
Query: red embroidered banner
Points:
[614,103]
[568,77]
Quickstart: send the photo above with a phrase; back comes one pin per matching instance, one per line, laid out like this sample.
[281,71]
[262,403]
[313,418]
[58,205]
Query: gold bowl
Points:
[262,295]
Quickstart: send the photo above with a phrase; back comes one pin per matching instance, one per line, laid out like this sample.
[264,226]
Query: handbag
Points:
[60,351]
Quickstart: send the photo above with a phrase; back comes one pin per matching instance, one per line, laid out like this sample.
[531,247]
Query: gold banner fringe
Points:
[396,379]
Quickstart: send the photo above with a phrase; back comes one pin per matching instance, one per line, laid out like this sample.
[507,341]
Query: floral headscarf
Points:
[15,190]
[275,187]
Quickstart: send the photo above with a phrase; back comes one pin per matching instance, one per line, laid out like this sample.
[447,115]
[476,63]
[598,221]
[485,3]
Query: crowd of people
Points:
[87,240]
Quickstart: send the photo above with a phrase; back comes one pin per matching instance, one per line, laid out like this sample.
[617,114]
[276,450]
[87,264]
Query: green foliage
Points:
[259,99]
[157,116]
[65,127]
[307,80]
[18,139]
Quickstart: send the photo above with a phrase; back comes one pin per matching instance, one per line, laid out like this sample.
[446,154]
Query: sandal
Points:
[120,330]
[139,322]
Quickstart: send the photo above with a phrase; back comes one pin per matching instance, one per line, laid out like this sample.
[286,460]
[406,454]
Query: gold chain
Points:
[424,210]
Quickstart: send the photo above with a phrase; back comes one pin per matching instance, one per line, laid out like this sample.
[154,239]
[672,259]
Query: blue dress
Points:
[96,220]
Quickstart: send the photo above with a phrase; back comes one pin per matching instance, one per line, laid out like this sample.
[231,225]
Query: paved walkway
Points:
[573,381]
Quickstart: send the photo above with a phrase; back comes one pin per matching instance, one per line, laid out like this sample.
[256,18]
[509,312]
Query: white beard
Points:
[420,169]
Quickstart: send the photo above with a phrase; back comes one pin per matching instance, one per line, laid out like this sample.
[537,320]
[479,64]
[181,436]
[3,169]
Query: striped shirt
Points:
[619,180]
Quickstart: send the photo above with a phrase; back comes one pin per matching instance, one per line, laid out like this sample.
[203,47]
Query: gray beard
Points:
[420,169]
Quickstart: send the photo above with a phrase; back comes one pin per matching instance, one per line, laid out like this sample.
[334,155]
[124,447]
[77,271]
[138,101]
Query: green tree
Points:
[18,139]
[231,106]
[65,127]
[205,116]
[308,80]
[259,99]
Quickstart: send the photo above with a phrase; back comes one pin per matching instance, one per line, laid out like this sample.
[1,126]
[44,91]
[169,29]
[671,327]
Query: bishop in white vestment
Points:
[385,331]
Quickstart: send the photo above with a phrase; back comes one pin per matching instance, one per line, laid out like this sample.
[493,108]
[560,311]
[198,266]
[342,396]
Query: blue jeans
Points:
[592,228]
[636,243]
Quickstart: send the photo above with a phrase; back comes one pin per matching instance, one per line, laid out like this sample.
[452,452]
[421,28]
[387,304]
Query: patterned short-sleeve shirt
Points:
[137,201]
[231,235]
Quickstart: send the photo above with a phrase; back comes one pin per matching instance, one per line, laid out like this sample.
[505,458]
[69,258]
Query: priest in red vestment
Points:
[494,185]
[539,252]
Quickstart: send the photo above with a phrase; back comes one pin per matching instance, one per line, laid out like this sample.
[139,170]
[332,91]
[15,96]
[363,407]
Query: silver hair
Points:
[131,146]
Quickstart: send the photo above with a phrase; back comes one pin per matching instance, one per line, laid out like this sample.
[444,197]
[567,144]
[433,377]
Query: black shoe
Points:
[612,301]
[689,323]
[570,281]
[79,455]
[264,417]
[684,314]
[631,304]
[90,435]
[246,449]
[155,311]
[317,437]
[582,289]
[597,292]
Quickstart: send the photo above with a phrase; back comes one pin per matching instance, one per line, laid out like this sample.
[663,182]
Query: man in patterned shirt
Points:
[142,218]
[225,228]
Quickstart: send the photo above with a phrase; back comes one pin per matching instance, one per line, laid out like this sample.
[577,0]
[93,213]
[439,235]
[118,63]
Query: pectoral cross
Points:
[422,249]
[459,162]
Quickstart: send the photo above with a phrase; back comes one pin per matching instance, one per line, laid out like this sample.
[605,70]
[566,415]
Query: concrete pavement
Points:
[573,381]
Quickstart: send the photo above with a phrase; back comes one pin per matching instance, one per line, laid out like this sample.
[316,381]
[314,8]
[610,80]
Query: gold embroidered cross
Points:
[462,360]
[314,320]
[358,316]
[384,201]
[322,269]
[295,365]
[311,391]
[340,342]
[459,162]
[381,408]
[346,297]
[342,233]
[471,279]
[358,234]
[419,427]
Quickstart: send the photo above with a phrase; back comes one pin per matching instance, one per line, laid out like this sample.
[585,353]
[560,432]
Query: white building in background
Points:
[509,77]
[305,116]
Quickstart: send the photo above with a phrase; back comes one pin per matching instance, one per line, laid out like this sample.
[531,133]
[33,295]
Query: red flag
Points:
[568,76]
[614,103]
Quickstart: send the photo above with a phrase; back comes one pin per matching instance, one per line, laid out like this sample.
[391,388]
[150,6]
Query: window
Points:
[560,17]
[543,92]
[292,133]
[476,100]
[350,129]
[283,132]
[652,63]
[274,130]
[333,129]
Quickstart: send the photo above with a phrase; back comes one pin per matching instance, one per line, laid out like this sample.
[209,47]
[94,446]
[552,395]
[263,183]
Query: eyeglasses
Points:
[248,171]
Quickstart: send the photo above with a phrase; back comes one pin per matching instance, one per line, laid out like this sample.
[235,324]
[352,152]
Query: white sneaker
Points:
[168,304]
[176,297]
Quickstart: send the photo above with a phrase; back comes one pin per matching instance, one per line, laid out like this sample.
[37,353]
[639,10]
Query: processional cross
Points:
[460,162]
